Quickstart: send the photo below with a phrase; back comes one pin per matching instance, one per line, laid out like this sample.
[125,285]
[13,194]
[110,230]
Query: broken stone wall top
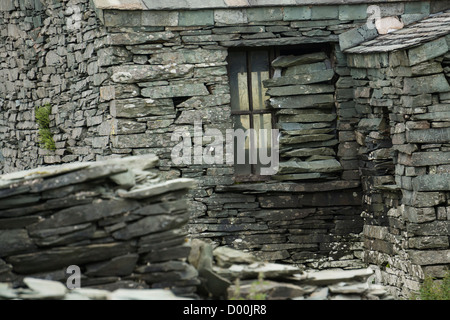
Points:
[426,30]
[219,4]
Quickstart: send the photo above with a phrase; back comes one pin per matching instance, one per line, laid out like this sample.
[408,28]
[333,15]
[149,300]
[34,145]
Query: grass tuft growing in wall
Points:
[45,135]
[434,290]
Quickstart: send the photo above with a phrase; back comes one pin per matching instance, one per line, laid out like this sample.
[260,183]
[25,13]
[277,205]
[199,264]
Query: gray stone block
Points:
[264,14]
[7,5]
[353,12]
[141,73]
[324,12]
[320,166]
[188,56]
[15,241]
[196,18]
[430,257]
[62,257]
[426,84]
[430,158]
[427,51]
[424,243]
[159,18]
[421,7]
[421,100]
[440,135]
[181,90]
[419,215]
[230,17]
[306,68]
[302,102]
[312,78]
[356,36]
[432,182]
[297,13]
[141,140]
[116,18]
[300,89]
[133,38]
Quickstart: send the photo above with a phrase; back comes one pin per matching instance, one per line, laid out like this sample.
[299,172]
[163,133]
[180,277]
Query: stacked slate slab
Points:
[407,220]
[303,97]
[118,221]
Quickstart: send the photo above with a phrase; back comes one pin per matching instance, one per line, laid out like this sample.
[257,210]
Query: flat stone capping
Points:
[216,4]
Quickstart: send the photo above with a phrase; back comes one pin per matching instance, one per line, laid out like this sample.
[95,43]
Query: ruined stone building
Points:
[358,91]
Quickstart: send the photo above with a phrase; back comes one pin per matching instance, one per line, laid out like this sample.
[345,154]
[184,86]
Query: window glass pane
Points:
[238,80]
[263,121]
[259,66]
[242,164]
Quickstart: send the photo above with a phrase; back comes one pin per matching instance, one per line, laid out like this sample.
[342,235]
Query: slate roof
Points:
[428,29]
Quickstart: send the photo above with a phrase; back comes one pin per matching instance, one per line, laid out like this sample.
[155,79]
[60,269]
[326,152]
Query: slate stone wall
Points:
[121,82]
[119,222]
[403,100]
[49,55]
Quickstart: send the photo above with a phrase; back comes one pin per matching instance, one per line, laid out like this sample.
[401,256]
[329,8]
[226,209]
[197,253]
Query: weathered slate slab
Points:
[118,266]
[300,90]
[289,61]
[439,115]
[432,182]
[151,225]
[306,152]
[281,41]
[63,257]
[435,228]
[427,51]
[181,90]
[141,73]
[319,199]
[293,187]
[86,213]
[138,107]
[141,140]
[307,118]
[308,131]
[426,84]
[430,158]
[306,138]
[15,241]
[315,77]
[132,38]
[330,165]
[306,68]
[67,239]
[188,56]
[429,257]
[302,102]
[440,135]
[158,188]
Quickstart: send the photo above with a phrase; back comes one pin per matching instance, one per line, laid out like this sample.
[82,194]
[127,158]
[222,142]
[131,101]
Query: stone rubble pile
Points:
[231,274]
[236,275]
[118,220]
[39,289]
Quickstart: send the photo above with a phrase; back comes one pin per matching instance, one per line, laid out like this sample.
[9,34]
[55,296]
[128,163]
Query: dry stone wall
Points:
[404,138]
[49,56]
[121,82]
[118,221]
